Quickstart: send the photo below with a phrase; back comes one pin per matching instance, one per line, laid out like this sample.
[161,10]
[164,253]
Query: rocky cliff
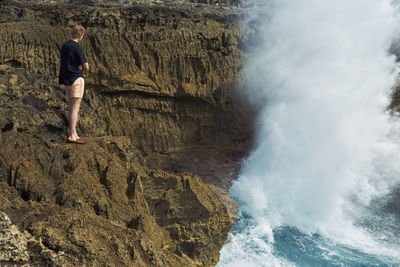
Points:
[165,123]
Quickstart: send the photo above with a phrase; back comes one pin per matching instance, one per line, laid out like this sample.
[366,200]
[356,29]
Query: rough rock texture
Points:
[104,207]
[150,67]
[226,3]
[22,249]
[161,114]
[12,246]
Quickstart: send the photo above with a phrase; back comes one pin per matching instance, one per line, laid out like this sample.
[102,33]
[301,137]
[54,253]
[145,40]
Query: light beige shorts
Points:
[76,89]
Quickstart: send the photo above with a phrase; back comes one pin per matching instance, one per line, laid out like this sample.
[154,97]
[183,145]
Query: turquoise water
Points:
[315,250]
[292,247]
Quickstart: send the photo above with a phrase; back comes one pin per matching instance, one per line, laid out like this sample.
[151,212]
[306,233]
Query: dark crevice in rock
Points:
[14,63]
[100,211]
[59,195]
[135,53]
[103,177]
[69,167]
[65,155]
[131,181]
[11,178]
[103,180]
[24,194]
[21,130]
[136,223]
[52,247]
[27,195]
[8,126]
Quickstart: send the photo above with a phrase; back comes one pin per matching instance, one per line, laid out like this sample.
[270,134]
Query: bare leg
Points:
[73,108]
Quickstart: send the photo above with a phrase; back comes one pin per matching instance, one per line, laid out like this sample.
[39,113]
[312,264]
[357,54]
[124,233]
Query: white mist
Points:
[322,77]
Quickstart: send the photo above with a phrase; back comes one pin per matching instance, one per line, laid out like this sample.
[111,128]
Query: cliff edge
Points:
[165,123]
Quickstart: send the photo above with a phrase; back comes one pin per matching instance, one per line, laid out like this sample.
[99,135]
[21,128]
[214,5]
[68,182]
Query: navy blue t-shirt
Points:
[71,57]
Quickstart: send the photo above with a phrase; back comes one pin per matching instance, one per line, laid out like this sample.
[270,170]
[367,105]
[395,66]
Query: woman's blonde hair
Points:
[77,31]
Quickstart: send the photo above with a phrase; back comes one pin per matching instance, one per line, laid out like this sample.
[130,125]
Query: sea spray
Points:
[321,75]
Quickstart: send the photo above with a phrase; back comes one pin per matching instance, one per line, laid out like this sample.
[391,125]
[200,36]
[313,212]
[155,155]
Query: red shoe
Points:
[77,141]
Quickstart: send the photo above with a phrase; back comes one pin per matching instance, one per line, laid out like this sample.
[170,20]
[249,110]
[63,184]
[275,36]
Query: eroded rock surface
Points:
[161,114]
[12,246]
[172,69]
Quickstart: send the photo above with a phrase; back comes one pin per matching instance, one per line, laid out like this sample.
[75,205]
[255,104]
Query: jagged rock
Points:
[163,77]
[101,206]
[21,249]
[13,249]
[162,82]
[135,2]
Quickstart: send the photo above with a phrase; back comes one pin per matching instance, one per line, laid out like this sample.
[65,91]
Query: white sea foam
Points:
[326,144]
